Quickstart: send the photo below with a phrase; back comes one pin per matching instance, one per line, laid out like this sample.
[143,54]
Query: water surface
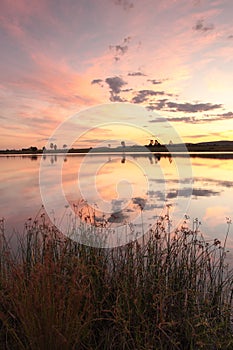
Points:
[120,188]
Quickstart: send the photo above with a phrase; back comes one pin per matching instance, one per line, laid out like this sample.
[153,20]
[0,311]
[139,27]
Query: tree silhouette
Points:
[151,143]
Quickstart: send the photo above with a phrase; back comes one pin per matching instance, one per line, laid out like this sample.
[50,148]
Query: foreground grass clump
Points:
[175,292]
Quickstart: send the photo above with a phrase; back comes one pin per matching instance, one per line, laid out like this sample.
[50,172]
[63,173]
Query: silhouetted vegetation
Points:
[153,146]
[175,292]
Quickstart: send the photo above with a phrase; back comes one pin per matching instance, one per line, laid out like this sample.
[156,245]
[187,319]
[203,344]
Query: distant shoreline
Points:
[158,155]
[213,147]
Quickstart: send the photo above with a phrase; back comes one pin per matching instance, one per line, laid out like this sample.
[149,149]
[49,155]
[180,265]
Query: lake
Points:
[117,191]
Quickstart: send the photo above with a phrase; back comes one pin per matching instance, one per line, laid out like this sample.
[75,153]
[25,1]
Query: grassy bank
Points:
[173,293]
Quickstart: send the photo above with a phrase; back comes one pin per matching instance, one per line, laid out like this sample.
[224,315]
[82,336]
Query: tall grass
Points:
[173,292]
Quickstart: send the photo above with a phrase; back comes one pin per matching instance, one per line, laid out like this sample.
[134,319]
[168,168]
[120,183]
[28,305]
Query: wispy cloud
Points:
[201,27]
[186,107]
[143,95]
[126,4]
[158,105]
[192,107]
[155,81]
[97,81]
[136,74]
[120,49]
[225,115]
[196,192]
[158,120]
[200,120]
[46,139]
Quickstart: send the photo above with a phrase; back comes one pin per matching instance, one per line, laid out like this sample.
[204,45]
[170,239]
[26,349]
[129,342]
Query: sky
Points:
[171,57]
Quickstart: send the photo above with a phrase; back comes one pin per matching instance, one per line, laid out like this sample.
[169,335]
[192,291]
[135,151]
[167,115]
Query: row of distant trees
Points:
[54,146]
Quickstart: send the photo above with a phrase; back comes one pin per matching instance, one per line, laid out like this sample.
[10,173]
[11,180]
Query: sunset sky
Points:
[174,57]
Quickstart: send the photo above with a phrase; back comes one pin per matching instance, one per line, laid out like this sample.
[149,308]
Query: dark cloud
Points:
[151,107]
[115,84]
[136,74]
[158,120]
[200,192]
[216,117]
[140,202]
[183,119]
[181,107]
[126,4]
[207,118]
[159,195]
[117,204]
[226,115]
[143,95]
[154,206]
[96,81]
[191,107]
[192,120]
[187,180]
[223,183]
[155,81]
[230,36]
[126,90]
[200,26]
[158,105]
[196,192]
[116,98]
[120,49]
[117,217]
[127,39]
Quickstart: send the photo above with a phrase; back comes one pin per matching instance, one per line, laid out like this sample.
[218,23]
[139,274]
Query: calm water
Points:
[118,189]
